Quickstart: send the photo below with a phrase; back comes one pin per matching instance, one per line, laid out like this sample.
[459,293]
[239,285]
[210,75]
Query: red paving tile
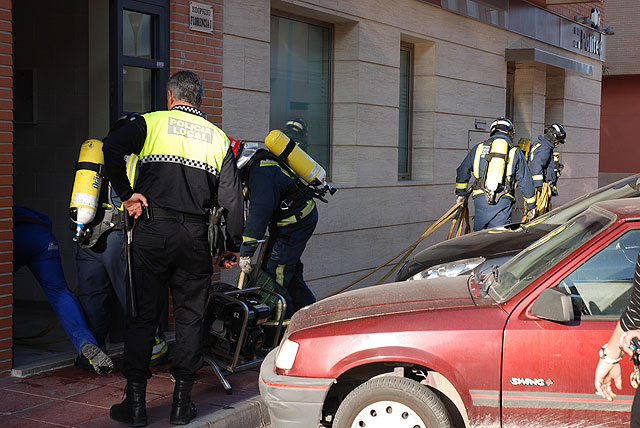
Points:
[11,401]
[104,396]
[51,385]
[74,397]
[18,422]
[62,412]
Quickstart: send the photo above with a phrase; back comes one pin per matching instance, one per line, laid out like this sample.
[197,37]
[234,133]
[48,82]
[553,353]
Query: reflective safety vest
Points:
[173,137]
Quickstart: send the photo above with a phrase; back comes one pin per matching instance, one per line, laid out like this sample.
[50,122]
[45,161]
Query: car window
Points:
[625,188]
[602,285]
[545,253]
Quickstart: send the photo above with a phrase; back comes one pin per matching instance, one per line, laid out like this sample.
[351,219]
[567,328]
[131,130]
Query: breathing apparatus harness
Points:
[297,193]
[497,162]
[108,216]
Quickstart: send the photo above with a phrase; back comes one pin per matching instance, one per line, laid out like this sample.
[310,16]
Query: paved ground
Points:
[72,397]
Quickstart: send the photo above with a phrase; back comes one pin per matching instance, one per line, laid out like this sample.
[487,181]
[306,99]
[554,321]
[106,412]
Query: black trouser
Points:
[168,252]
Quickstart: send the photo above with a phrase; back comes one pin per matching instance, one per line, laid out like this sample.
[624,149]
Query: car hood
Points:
[490,243]
[408,296]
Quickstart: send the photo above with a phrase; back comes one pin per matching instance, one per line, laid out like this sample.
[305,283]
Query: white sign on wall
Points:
[200,17]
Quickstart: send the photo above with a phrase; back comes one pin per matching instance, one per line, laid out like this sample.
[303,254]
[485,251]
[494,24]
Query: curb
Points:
[251,413]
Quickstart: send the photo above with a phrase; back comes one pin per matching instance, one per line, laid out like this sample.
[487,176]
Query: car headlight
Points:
[286,354]
[449,270]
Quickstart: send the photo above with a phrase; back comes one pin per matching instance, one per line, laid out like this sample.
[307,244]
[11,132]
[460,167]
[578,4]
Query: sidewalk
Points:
[73,397]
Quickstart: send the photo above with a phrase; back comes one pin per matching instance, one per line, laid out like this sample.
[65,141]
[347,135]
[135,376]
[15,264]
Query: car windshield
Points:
[543,254]
[626,188]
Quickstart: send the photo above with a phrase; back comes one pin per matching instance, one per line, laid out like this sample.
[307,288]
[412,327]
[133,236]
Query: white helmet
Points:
[502,125]
[245,152]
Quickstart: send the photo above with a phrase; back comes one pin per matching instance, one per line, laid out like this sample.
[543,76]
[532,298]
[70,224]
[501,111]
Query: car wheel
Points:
[391,401]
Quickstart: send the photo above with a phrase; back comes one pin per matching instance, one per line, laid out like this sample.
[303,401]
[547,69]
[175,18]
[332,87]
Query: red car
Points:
[517,348]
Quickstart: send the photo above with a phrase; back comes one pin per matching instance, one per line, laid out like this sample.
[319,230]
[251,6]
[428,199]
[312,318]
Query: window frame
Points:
[159,64]
[331,27]
[407,47]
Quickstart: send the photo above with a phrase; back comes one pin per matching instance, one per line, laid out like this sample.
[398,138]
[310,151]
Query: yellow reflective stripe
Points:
[530,200]
[477,192]
[305,211]
[248,238]
[533,150]
[106,205]
[537,177]
[476,161]
[274,163]
[512,153]
[462,186]
[280,275]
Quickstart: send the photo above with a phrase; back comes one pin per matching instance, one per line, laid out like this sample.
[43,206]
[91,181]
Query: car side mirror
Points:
[553,304]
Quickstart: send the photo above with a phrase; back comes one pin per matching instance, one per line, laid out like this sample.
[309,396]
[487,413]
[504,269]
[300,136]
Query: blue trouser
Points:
[488,216]
[283,261]
[102,277]
[36,247]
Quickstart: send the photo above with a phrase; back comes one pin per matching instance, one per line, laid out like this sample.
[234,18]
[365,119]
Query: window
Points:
[301,82]
[510,91]
[139,43]
[404,115]
[602,285]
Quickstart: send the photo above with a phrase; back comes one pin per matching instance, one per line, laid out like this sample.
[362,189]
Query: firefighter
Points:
[296,129]
[278,202]
[102,271]
[498,167]
[543,166]
[37,247]
[186,167]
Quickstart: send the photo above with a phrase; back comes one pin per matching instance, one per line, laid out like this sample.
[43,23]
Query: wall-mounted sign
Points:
[585,41]
[200,17]
[582,39]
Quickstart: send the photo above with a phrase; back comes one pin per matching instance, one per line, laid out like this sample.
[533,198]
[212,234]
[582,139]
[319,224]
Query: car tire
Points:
[391,401]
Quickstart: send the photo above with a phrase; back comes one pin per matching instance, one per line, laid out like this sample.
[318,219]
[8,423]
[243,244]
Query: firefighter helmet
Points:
[502,125]
[296,129]
[555,133]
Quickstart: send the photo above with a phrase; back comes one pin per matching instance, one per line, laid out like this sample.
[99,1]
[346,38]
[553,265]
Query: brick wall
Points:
[570,10]
[623,49]
[6,188]
[201,53]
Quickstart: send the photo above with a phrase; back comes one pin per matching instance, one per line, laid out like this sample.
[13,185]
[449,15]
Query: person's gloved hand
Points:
[459,199]
[245,264]
[531,214]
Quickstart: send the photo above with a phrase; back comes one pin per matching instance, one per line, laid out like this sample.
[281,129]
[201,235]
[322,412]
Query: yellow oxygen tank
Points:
[497,163]
[299,161]
[86,187]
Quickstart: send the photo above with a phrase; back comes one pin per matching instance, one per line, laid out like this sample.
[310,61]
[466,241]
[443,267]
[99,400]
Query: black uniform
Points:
[184,162]
[276,201]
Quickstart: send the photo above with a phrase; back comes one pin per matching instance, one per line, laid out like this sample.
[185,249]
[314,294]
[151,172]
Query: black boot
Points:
[182,410]
[133,410]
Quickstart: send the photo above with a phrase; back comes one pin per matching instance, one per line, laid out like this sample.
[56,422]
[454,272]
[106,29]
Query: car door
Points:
[548,366]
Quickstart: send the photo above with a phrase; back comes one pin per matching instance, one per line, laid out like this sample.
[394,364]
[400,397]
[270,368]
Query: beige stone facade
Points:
[459,76]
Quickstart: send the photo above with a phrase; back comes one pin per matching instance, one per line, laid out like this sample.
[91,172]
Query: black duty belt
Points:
[169,213]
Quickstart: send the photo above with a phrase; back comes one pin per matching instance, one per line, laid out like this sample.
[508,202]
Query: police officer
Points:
[277,201]
[185,162]
[542,164]
[102,271]
[495,210]
[37,247]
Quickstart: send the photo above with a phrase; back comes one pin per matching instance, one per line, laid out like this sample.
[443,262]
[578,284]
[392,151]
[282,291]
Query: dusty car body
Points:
[517,349]
[497,245]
